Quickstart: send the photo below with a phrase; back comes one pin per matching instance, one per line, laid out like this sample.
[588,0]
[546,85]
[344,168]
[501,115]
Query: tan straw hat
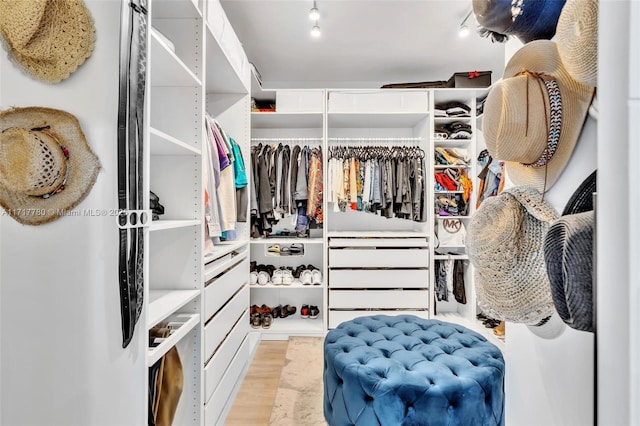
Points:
[533,117]
[505,240]
[577,38]
[49,39]
[46,164]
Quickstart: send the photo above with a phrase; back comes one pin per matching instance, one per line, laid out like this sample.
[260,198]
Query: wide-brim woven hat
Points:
[49,39]
[505,245]
[577,39]
[568,251]
[527,20]
[533,116]
[46,165]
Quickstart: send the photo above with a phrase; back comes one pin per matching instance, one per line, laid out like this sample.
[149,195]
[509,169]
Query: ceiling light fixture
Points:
[463,31]
[315,31]
[314,13]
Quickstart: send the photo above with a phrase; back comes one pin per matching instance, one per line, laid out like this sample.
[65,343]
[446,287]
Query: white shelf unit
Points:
[451,310]
[377,265]
[175,143]
[226,350]
[298,120]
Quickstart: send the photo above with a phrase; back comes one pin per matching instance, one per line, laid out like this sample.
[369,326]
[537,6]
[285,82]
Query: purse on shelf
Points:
[451,233]
[165,383]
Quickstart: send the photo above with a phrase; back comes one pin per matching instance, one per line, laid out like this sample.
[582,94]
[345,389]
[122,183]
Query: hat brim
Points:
[83,166]
[541,56]
[551,329]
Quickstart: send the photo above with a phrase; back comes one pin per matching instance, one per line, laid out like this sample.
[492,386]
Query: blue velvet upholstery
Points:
[405,370]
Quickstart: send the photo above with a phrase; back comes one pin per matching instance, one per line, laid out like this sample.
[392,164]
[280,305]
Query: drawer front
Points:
[220,397]
[378,278]
[216,330]
[378,299]
[217,365]
[337,317]
[378,258]
[300,101]
[218,291]
[378,242]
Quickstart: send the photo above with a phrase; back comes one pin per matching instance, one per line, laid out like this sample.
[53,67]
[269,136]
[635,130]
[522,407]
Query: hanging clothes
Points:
[240,181]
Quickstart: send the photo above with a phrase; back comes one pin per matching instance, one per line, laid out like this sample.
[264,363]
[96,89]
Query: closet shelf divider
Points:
[164,303]
[164,144]
[167,69]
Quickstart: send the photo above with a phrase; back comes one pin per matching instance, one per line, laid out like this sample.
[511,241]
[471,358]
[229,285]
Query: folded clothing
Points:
[453,109]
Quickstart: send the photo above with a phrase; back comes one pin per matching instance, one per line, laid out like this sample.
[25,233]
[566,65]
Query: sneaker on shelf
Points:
[253,310]
[316,277]
[266,321]
[314,312]
[263,278]
[306,277]
[276,277]
[277,312]
[304,311]
[253,278]
[274,249]
[256,320]
[287,277]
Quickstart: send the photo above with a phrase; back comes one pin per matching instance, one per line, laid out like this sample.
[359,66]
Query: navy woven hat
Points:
[527,20]
[582,199]
[568,253]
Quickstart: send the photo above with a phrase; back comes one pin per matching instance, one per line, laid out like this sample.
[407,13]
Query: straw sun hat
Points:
[46,164]
[533,117]
[49,39]
[577,38]
[505,240]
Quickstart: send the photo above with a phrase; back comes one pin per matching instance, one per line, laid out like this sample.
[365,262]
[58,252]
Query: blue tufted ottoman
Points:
[405,370]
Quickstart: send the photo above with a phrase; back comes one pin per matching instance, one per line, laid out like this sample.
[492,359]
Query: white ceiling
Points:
[364,43]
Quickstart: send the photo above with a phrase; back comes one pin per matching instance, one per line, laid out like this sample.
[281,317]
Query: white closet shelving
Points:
[196,68]
[377,264]
[174,280]
[298,120]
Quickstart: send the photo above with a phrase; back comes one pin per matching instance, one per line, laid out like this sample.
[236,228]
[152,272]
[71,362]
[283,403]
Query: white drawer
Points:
[378,242]
[216,330]
[378,278]
[220,397]
[300,101]
[379,299]
[378,258]
[217,365]
[379,101]
[337,317]
[223,286]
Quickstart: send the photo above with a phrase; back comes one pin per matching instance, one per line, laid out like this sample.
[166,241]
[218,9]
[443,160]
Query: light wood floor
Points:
[252,406]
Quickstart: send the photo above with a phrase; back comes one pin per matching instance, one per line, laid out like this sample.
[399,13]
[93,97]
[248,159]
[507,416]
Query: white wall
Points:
[551,381]
[62,361]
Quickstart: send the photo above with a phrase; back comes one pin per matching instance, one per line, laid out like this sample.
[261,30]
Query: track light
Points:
[315,31]
[463,31]
[314,13]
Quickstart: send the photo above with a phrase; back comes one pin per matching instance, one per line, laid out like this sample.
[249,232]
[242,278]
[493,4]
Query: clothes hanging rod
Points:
[284,139]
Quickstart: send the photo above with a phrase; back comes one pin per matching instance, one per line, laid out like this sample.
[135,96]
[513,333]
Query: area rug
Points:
[299,398]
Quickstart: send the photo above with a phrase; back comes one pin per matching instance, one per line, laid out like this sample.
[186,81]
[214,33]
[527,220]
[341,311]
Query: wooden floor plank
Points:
[254,401]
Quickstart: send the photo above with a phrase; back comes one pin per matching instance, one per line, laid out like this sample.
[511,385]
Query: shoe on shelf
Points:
[304,311]
[253,278]
[264,310]
[287,277]
[287,310]
[306,277]
[316,277]
[266,321]
[274,249]
[253,265]
[276,277]
[256,320]
[263,278]
[277,312]
[297,271]
[314,312]
[253,310]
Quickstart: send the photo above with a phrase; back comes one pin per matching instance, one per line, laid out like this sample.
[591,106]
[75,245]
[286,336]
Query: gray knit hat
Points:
[568,251]
[505,241]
